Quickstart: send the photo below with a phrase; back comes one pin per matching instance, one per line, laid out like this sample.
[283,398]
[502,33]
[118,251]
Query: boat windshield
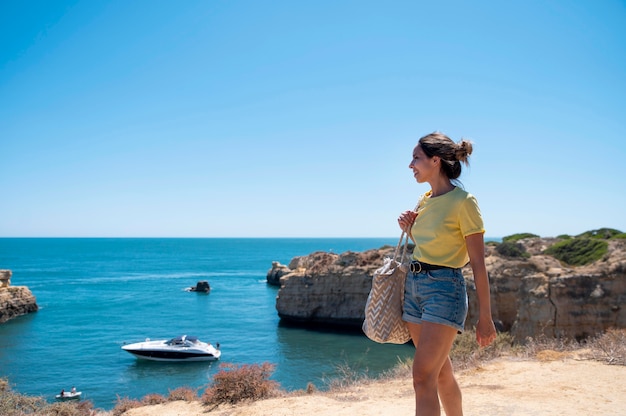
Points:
[183,340]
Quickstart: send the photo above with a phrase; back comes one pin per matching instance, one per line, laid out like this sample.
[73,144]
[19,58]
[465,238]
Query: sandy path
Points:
[502,387]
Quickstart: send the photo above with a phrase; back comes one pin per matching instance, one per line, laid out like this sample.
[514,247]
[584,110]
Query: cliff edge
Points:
[14,300]
[531,295]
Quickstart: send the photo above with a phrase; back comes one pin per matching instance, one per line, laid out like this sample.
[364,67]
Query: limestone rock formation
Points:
[530,296]
[326,288]
[14,300]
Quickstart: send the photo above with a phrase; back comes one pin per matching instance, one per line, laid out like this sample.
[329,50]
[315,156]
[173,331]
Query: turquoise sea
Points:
[95,294]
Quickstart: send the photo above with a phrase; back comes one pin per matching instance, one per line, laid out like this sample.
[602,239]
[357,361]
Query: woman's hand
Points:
[485,332]
[406,219]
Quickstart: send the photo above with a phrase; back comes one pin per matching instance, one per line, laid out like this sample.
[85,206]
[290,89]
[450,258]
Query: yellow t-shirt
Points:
[441,226]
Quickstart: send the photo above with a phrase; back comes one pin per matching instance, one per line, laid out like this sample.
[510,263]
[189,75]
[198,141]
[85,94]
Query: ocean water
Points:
[95,294]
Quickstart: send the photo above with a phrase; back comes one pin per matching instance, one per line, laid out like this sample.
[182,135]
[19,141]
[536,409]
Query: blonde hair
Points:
[450,153]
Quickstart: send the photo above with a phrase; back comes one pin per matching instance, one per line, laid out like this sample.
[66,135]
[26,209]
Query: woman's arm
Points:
[485,329]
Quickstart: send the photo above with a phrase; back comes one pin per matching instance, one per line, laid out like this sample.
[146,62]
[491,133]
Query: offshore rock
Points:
[202,286]
[276,272]
[14,300]
[530,297]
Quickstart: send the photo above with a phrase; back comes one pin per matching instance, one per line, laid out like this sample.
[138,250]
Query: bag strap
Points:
[404,236]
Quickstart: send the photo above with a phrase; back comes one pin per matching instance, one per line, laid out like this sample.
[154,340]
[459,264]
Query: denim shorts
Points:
[437,296]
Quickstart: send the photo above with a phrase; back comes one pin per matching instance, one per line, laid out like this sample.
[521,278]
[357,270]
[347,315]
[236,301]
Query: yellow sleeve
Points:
[471,221]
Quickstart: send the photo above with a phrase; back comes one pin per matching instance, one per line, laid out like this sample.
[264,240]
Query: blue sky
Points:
[298,118]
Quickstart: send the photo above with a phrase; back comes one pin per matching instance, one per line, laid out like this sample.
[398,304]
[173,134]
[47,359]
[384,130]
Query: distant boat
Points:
[183,348]
[68,395]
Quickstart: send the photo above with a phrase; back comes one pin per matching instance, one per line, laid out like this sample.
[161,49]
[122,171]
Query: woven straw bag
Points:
[383,309]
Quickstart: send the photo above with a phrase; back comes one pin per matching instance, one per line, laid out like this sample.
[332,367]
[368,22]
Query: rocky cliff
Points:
[14,300]
[530,296]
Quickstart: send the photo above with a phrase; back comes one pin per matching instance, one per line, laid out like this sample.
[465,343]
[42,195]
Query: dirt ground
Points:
[550,385]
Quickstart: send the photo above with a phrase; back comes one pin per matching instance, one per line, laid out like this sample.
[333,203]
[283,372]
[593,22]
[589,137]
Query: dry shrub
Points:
[466,352]
[310,388]
[609,347]
[183,393]
[346,376]
[551,355]
[4,385]
[14,404]
[404,368]
[233,384]
[545,348]
[123,405]
[152,399]
[73,408]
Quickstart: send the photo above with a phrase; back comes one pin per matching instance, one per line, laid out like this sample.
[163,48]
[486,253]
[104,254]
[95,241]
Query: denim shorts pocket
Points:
[445,275]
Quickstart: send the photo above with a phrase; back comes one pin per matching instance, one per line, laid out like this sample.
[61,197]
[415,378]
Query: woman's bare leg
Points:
[432,346]
[449,390]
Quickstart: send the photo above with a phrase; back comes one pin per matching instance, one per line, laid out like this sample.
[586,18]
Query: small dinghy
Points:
[69,395]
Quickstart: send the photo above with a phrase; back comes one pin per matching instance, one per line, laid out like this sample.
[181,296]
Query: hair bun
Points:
[463,150]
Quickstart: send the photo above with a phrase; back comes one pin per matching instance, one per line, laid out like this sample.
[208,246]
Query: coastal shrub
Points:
[601,234]
[512,249]
[346,375]
[403,368]
[564,237]
[14,404]
[609,347]
[153,398]
[466,352]
[123,405]
[515,237]
[620,236]
[236,383]
[80,408]
[535,347]
[183,393]
[578,251]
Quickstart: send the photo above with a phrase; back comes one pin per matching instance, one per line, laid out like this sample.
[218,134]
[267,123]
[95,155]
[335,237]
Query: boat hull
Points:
[172,355]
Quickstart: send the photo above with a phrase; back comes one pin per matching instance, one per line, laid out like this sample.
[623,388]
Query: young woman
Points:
[447,230]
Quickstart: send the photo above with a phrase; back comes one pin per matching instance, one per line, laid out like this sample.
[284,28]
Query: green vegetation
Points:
[512,249]
[515,237]
[579,251]
[585,248]
[602,234]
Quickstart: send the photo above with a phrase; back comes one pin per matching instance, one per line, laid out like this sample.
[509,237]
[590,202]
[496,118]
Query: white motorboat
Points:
[183,348]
